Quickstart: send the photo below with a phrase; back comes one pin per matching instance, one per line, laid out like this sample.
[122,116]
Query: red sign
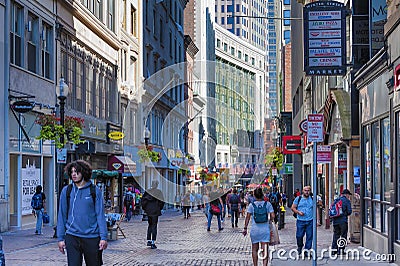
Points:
[291,144]
[397,78]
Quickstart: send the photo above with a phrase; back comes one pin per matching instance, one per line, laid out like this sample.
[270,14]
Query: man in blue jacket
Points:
[340,225]
[81,224]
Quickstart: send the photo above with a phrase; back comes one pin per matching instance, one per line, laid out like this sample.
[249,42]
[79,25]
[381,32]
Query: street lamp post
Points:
[62,93]
[146,135]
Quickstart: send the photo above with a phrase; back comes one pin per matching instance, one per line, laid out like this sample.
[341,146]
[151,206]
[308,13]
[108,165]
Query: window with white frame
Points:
[16,34]
[111,15]
[47,50]
[32,38]
[133,21]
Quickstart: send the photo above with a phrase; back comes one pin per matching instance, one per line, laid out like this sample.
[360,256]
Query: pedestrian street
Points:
[180,242]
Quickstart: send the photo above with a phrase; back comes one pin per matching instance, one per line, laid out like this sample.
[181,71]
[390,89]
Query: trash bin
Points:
[281,220]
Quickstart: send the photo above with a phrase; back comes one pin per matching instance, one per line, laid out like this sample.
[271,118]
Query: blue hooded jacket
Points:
[84,219]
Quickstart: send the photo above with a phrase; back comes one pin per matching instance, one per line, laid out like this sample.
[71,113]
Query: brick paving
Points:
[180,242]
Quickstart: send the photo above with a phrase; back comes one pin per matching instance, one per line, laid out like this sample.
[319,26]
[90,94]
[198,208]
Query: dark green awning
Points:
[104,173]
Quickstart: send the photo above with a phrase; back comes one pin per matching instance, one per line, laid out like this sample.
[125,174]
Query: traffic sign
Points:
[315,127]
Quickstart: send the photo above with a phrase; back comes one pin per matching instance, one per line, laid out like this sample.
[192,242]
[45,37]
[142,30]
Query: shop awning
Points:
[104,173]
[122,164]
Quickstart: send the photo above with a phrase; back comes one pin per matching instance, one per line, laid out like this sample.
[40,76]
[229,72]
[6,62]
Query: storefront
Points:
[379,169]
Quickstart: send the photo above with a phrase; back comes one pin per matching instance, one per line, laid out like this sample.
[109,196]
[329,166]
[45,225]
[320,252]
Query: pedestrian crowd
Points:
[82,230]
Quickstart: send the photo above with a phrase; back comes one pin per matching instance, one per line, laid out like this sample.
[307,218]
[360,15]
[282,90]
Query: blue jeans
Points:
[304,227]
[39,220]
[210,216]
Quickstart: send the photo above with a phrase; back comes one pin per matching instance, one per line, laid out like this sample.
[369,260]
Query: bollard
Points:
[2,257]
[281,217]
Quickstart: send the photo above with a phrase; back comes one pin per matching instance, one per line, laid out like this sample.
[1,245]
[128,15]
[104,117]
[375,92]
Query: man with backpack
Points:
[233,203]
[38,208]
[81,224]
[338,212]
[303,207]
[275,198]
[129,203]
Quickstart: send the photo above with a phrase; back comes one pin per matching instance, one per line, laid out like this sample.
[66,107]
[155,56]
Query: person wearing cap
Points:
[340,223]
[152,203]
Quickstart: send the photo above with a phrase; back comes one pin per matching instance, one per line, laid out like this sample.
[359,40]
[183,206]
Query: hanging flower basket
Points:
[274,158]
[147,154]
[52,130]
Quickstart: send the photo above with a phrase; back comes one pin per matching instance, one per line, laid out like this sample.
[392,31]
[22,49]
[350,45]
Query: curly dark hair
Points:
[81,167]
[258,193]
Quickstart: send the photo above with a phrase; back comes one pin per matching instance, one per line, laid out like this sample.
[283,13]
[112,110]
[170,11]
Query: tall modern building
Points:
[239,113]
[245,19]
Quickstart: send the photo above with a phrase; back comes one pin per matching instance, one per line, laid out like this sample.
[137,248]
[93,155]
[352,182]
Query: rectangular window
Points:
[133,21]
[218,43]
[161,33]
[111,14]
[222,8]
[98,9]
[286,2]
[232,50]
[70,80]
[154,23]
[229,8]
[240,54]
[79,85]
[124,14]
[286,14]
[376,163]
[32,38]
[146,16]
[16,34]
[222,20]
[47,50]
[388,186]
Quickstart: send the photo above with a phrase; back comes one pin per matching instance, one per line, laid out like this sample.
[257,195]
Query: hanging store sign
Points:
[324,154]
[23,106]
[325,38]
[291,144]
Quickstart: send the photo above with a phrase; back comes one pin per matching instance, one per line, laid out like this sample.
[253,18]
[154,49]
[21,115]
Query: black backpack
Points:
[273,199]
[92,193]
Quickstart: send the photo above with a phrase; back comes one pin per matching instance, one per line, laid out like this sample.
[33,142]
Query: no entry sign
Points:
[315,127]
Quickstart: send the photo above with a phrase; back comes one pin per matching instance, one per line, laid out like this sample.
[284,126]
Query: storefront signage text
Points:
[324,38]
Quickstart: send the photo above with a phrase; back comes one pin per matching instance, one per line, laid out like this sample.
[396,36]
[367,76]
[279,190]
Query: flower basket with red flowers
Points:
[52,130]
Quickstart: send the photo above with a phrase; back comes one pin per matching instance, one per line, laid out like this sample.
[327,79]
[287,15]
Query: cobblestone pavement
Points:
[180,242]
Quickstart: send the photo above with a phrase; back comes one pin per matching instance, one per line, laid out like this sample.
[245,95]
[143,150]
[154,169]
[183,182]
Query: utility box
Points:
[355,220]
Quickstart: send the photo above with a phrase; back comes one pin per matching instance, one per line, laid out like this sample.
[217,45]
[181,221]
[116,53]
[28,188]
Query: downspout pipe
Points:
[6,106]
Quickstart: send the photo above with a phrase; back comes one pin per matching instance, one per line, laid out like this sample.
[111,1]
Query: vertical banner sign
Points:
[325,38]
[30,179]
[378,17]
[315,130]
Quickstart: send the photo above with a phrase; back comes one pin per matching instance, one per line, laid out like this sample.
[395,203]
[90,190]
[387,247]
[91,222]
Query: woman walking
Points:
[259,231]
[215,204]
